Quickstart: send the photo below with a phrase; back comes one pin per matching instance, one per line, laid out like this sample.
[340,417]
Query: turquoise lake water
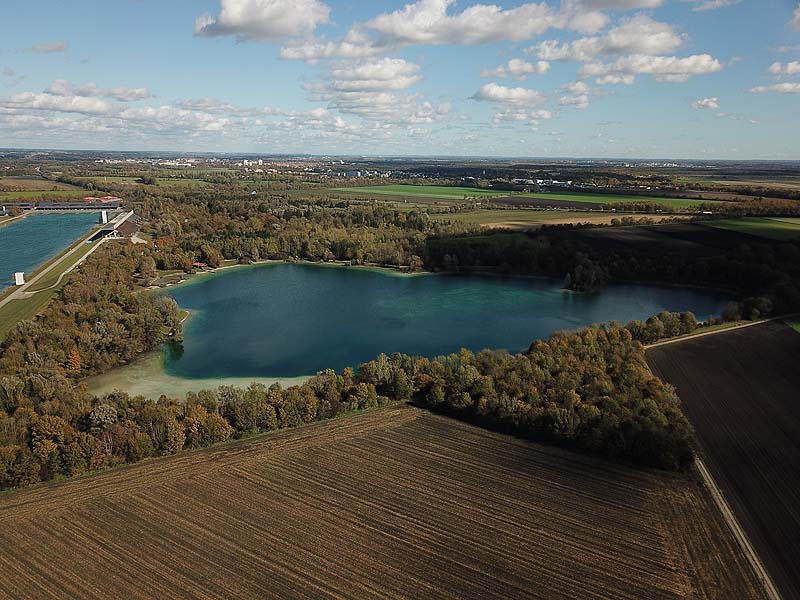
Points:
[286,320]
[27,243]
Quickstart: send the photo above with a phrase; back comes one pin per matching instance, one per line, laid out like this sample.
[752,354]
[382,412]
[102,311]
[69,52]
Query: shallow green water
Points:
[27,243]
[285,320]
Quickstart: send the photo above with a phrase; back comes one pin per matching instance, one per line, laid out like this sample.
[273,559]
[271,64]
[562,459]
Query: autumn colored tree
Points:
[74,362]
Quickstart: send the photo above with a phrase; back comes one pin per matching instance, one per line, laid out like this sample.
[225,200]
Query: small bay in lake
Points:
[288,321]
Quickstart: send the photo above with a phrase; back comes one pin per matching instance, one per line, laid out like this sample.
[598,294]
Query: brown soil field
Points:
[32,183]
[393,503]
[690,239]
[741,391]
[521,225]
[700,233]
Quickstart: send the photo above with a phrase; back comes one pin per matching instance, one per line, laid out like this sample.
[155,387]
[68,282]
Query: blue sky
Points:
[582,78]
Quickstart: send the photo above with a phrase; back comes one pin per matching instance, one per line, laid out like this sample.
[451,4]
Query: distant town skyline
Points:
[683,79]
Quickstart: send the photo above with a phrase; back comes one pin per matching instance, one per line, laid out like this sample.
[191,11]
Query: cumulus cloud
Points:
[314,50]
[706,104]
[264,20]
[368,89]
[516,115]
[508,96]
[62,87]
[662,68]
[779,88]
[618,4]
[703,5]
[428,22]
[785,69]
[371,75]
[615,79]
[638,35]
[57,103]
[49,47]
[581,101]
[518,68]
[386,108]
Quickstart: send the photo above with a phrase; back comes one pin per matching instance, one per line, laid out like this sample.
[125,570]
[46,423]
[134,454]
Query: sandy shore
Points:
[146,377]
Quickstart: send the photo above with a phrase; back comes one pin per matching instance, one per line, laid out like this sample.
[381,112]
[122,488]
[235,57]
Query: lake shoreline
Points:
[205,273]
[293,318]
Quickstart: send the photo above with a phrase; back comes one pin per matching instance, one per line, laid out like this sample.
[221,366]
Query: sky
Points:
[682,79]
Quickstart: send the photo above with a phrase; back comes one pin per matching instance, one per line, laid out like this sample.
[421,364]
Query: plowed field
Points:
[395,503]
[741,391]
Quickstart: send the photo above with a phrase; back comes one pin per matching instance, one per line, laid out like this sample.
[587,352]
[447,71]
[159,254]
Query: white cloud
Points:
[580,101]
[427,22]
[786,49]
[785,69]
[780,88]
[62,87]
[703,5]
[367,89]
[381,74]
[58,103]
[795,22]
[49,47]
[577,87]
[706,104]
[314,50]
[264,20]
[616,79]
[515,115]
[588,22]
[638,35]
[619,4]
[387,108]
[663,68]
[126,94]
[518,68]
[507,96]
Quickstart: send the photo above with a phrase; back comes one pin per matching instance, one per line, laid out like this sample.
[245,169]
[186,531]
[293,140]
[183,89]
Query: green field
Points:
[21,309]
[134,180]
[423,191]
[53,275]
[522,218]
[794,323]
[55,195]
[33,183]
[614,199]
[763,227]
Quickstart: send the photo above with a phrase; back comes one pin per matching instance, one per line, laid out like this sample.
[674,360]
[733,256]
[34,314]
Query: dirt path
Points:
[741,537]
[694,336]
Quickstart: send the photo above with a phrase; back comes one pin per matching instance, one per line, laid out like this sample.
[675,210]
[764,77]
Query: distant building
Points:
[124,225]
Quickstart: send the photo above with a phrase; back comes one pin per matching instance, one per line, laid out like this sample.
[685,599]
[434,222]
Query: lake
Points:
[27,243]
[286,321]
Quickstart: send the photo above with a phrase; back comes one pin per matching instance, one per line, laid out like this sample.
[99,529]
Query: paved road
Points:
[22,292]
